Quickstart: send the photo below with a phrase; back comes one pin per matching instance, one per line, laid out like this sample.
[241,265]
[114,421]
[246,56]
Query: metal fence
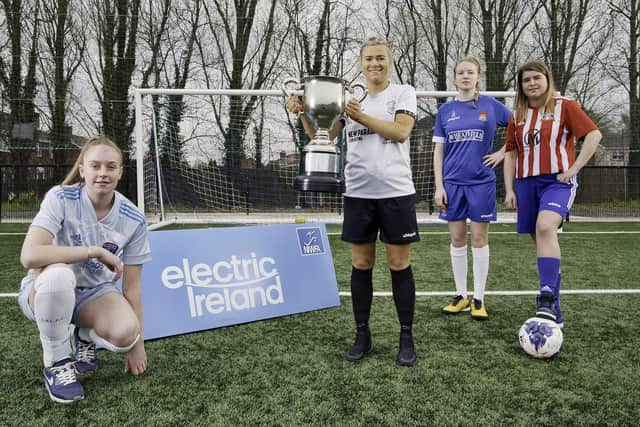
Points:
[22,188]
[604,191]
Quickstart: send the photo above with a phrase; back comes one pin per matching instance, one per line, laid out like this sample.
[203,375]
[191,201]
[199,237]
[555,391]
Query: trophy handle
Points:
[361,87]
[286,83]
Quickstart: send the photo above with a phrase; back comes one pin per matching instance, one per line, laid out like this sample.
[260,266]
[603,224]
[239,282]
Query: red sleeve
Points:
[510,142]
[578,122]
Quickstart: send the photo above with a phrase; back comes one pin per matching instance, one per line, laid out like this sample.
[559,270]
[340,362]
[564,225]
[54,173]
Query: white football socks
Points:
[459,266]
[53,307]
[480,271]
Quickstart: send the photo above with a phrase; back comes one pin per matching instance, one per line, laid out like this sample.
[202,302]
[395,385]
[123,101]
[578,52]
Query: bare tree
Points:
[565,32]
[320,48]
[438,24]
[110,73]
[18,70]
[626,70]
[401,29]
[307,52]
[168,33]
[63,46]
[502,23]
[247,45]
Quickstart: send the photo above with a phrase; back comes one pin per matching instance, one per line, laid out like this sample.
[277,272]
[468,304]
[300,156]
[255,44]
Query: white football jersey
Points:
[376,167]
[68,214]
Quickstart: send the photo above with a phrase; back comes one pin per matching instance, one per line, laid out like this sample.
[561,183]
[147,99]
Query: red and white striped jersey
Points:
[546,141]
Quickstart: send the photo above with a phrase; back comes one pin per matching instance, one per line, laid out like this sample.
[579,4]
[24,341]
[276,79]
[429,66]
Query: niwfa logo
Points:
[227,285]
[310,241]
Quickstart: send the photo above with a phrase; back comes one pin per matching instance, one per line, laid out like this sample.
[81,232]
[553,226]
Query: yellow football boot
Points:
[458,304]
[478,310]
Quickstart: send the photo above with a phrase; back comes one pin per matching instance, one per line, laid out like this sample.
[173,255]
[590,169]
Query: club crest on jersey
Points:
[482,116]
[532,137]
[547,116]
[453,116]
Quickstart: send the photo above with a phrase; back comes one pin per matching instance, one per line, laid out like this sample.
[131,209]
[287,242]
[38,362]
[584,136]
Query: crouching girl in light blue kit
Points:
[84,238]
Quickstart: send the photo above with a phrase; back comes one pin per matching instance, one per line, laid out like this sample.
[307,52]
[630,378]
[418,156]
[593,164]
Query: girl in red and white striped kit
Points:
[540,154]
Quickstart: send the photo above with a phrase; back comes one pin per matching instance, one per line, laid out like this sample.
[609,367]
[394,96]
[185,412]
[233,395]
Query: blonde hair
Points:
[73,177]
[521,103]
[377,41]
[472,60]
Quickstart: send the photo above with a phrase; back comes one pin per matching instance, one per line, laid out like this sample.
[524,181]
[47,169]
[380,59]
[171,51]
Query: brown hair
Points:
[521,103]
[73,177]
[472,60]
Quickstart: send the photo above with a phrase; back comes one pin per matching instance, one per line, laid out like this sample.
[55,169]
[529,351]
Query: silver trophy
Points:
[324,100]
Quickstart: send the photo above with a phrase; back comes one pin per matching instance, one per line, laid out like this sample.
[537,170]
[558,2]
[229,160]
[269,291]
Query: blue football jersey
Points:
[467,134]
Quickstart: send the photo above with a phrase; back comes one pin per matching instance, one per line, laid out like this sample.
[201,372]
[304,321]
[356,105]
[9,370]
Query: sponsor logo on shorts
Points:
[486,216]
[408,235]
[557,205]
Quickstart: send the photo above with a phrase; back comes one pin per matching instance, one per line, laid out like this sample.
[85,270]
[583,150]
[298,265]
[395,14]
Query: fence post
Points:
[1,192]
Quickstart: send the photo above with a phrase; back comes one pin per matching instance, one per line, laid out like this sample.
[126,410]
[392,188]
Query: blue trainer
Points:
[61,382]
[546,309]
[85,354]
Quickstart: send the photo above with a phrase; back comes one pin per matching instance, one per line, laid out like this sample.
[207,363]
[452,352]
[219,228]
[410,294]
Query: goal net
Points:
[232,156]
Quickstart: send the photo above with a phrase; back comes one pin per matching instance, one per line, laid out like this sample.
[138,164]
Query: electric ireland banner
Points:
[209,278]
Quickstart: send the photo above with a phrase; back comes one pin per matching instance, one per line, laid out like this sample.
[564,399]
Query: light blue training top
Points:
[68,214]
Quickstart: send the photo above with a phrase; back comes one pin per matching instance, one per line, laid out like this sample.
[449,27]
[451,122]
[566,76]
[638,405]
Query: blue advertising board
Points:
[209,278]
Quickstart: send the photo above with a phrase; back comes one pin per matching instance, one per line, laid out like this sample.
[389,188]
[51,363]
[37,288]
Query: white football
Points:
[540,338]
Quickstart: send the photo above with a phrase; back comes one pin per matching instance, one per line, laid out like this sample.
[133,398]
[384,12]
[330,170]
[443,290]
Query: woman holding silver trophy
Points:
[379,195]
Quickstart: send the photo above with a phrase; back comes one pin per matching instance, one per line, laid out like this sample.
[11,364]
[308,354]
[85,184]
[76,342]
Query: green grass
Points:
[291,370]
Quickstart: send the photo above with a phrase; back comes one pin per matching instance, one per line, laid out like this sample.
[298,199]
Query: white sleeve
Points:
[137,250]
[51,213]
[407,103]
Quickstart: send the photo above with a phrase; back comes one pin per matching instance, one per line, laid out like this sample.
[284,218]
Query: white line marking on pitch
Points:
[513,232]
[509,293]
[446,232]
[449,293]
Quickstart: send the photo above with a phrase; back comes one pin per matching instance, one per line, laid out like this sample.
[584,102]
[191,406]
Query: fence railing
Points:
[22,188]
[603,192]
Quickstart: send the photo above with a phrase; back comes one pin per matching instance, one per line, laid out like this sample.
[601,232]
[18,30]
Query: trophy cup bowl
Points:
[324,99]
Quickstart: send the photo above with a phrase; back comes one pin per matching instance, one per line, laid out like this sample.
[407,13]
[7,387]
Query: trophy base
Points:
[321,182]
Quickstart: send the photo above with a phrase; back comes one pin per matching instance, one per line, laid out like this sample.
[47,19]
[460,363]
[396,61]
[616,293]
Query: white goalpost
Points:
[231,156]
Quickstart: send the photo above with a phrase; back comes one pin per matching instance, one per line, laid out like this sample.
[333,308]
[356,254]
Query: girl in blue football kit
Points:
[84,238]
[465,180]
[379,198]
